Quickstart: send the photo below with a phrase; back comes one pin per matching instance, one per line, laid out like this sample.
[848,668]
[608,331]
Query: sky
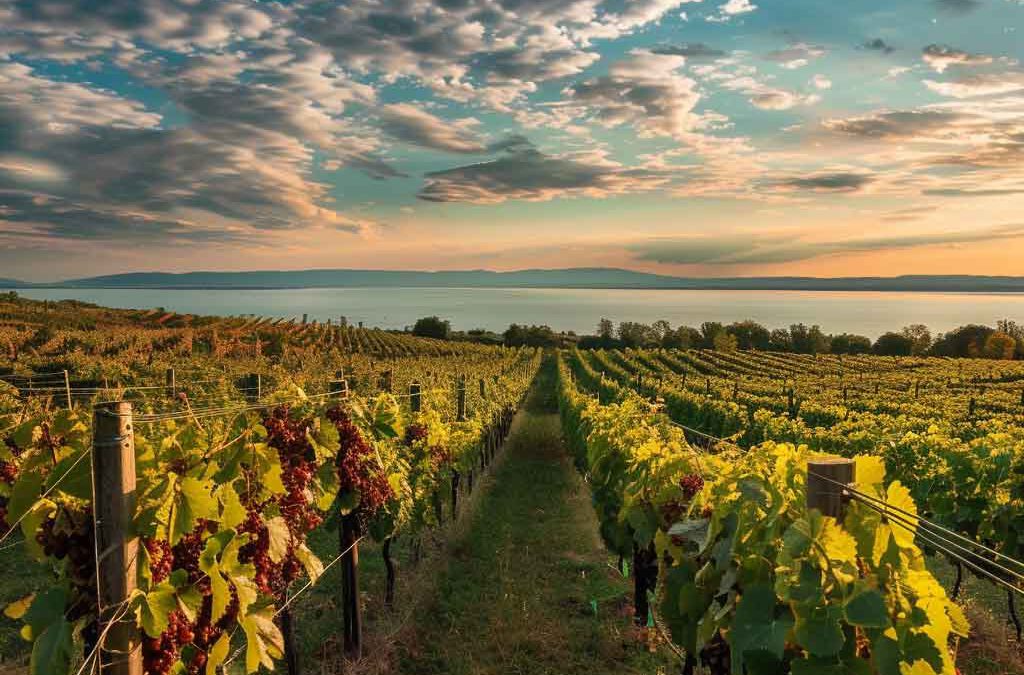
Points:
[698,138]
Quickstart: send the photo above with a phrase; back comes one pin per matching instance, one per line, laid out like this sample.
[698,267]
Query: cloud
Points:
[877,45]
[957,6]
[821,82]
[408,123]
[776,249]
[694,51]
[767,98]
[941,57]
[645,90]
[842,181]
[897,125]
[522,172]
[732,8]
[797,55]
[981,84]
[117,172]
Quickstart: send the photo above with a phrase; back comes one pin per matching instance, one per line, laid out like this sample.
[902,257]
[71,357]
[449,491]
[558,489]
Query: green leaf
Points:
[156,607]
[759,625]
[24,495]
[867,610]
[75,476]
[820,631]
[53,649]
[46,609]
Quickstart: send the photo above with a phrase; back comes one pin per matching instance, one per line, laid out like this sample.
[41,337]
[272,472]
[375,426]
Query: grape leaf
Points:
[759,624]
[53,649]
[264,641]
[867,610]
[280,538]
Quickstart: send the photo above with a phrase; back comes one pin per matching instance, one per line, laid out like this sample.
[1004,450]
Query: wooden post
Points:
[253,387]
[389,566]
[113,480]
[169,379]
[386,379]
[460,401]
[822,492]
[67,388]
[291,651]
[353,628]
[483,389]
[339,389]
[971,406]
[415,397]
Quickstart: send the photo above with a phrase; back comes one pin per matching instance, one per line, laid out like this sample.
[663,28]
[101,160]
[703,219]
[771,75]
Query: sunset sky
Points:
[704,138]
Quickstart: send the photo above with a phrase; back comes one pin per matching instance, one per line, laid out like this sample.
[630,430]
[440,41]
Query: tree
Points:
[999,345]
[724,342]
[920,336]
[966,340]
[530,336]
[848,343]
[684,337]
[661,328]
[1014,330]
[780,340]
[633,334]
[432,327]
[709,330]
[605,329]
[750,334]
[893,344]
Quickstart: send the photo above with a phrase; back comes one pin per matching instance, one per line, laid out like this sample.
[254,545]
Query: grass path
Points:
[519,592]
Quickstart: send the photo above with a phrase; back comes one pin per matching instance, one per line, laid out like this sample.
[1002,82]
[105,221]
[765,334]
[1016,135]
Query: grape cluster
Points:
[268,575]
[8,472]
[68,535]
[691,485]
[185,555]
[440,456]
[159,654]
[416,433]
[161,559]
[355,465]
[716,656]
[288,437]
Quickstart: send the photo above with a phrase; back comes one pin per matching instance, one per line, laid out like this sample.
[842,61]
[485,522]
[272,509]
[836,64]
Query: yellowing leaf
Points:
[870,470]
[264,641]
[280,538]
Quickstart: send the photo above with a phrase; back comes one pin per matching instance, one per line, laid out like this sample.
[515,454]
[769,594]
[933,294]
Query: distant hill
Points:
[584,277]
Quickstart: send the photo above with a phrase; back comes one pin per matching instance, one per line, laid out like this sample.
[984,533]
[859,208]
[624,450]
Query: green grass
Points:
[520,589]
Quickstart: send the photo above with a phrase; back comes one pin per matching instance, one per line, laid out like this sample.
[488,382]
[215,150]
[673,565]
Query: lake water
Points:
[866,313]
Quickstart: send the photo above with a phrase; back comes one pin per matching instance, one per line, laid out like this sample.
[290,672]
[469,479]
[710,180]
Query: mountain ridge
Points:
[579,277]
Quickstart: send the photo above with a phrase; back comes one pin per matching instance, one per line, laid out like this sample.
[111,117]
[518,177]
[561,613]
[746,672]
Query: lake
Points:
[866,313]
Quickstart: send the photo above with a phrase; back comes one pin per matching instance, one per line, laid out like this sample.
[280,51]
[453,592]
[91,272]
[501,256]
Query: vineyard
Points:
[776,512]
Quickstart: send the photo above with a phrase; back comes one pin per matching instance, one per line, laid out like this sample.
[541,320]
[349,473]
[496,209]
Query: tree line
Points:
[1004,341]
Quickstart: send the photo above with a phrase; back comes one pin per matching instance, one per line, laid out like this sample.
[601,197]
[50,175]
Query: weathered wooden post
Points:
[170,382]
[253,387]
[415,397]
[460,400]
[67,388]
[823,493]
[113,480]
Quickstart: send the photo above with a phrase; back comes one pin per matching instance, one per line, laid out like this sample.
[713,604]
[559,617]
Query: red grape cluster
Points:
[161,560]
[288,437]
[416,433]
[355,465]
[691,485]
[72,540]
[159,654]
[185,555]
[440,456]
[268,575]
[8,472]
